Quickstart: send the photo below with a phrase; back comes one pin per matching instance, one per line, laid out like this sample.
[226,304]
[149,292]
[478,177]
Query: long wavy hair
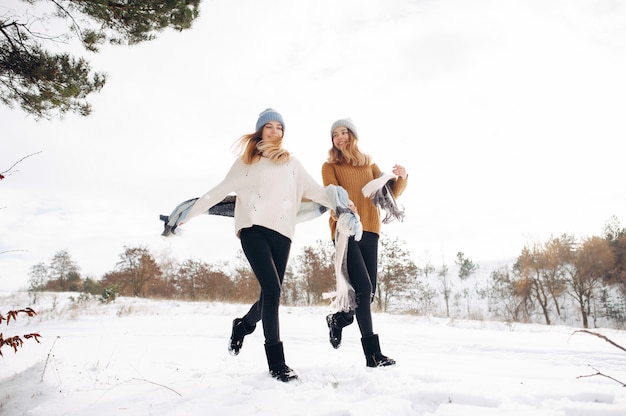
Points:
[250,147]
[351,155]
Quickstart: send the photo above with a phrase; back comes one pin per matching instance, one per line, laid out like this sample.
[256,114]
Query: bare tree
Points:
[538,273]
[503,296]
[247,287]
[446,286]
[188,278]
[552,267]
[427,269]
[63,272]
[197,280]
[313,272]
[587,269]
[169,267]
[137,268]
[37,278]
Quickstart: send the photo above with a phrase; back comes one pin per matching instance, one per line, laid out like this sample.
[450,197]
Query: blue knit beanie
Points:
[267,115]
[344,122]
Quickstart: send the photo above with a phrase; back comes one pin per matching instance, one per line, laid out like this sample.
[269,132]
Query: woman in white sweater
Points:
[269,185]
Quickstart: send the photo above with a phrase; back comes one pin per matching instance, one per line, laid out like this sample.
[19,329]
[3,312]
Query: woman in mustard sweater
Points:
[351,169]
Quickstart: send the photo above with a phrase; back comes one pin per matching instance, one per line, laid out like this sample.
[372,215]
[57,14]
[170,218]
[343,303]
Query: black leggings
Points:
[362,273]
[267,252]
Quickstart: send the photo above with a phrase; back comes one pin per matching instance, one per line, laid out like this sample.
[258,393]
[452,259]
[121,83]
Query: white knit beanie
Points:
[344,122]
[267,115]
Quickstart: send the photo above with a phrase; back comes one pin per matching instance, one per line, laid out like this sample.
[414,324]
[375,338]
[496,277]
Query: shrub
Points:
[16,341]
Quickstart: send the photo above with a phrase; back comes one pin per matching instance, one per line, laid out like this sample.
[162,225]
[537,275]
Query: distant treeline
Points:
[563,280]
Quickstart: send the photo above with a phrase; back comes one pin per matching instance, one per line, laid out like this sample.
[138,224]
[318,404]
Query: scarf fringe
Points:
[379,191]
[344,296]
[348,224]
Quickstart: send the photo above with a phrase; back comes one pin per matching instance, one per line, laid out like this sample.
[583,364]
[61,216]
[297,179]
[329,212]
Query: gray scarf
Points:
[379,191]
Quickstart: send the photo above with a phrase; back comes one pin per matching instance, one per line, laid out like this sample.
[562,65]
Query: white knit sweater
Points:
[268,194]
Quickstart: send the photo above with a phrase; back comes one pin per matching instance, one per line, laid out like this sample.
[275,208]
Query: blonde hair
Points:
[251,148]
[351,155]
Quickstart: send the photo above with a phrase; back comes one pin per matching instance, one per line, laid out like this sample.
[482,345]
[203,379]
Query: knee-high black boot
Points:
[373,356]
[276,362]
[336,322]
[240,330]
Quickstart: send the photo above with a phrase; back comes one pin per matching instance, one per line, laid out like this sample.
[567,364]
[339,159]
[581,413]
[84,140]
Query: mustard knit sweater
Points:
[352,179]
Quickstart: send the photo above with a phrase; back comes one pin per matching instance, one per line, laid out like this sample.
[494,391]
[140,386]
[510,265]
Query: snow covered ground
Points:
[146,357]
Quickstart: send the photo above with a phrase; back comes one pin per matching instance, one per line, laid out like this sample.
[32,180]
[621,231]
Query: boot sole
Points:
[233,350]
[285,378]
[329,322]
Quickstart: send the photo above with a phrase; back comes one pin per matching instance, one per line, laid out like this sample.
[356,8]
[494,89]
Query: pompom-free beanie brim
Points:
[267,115]
[344,122]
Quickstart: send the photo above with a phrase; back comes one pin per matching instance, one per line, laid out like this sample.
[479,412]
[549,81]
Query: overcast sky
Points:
[508,115]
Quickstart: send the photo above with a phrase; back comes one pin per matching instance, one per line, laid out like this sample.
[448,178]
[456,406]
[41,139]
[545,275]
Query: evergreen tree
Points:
[466,266]
[43,83]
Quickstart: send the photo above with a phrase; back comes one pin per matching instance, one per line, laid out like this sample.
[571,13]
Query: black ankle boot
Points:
[336,322]
[373,356]
[240,330]
[276,362]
